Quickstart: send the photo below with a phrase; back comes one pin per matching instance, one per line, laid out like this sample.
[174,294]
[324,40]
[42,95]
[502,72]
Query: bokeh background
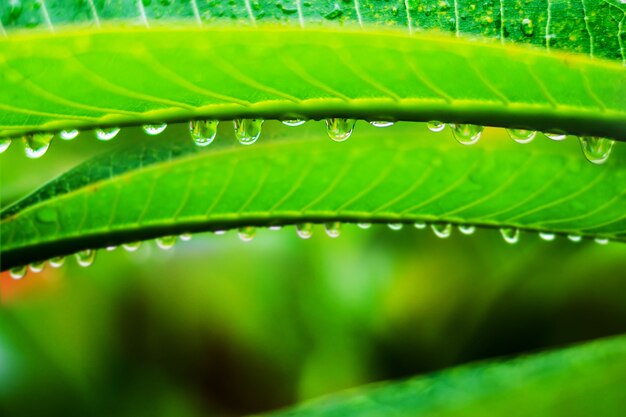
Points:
[217,326]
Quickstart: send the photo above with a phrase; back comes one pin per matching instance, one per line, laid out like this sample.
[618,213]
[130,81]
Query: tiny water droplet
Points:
[304,230]
[166,242]
[247,131]
[69,134]
[203,131]
[86,257]
[467,229]
[381,123]
[36,144]
[219,232]
[466,134]
[37,267]
[111,248]
[294,122]
[154,129]
[57,261]
[246,234]
[547,236]
[395,226]
[18,272]
[555,135]
[333,229]
[364,226]
[107,133]
[435,126]
[275,227]
[339,129]
[527,27]
[4,144]
[601,240]
[575,238]
[442,230]
[596,150]
[420,225]
[521,135]
[132,246]
[185,237]
[510,234]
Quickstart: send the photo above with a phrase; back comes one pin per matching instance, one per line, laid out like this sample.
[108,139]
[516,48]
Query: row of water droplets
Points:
[86,257]
[247,131]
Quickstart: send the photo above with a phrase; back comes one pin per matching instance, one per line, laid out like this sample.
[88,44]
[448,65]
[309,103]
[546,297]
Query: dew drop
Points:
[527,27]
[510,234]
[420,225]
[381,123]
[18,272]
[186,237]
[111,248]
[36,144]
[68,134]
[220,232]
[601,240]
[467,229]
[574,238]
[466,134]
[57,261]
[86,257]
[395,226]
[596,150]
[364,225]
[4,144]
[521,135]
[333,229]
[166,242]
[37,267]
[304,230]
[547,236]
[131,247]
[247,131]
[555,135]
[275,227]
[339,129]
[435,126]
[442,230]
[203,132]
[154,129]
[246,234]
[107,133]
[294,122]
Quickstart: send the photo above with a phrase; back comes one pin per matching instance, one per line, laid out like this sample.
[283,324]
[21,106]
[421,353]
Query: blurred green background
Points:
[217,326]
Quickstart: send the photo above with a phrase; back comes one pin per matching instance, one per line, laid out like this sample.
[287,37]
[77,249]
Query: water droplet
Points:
[333,229]
[527,27]
[575,238]
[601,240]
[86,257]
[132,246]
[596,150]
[304,230]
[107,133]
[247,131]
[246,234]
[220,232]
[547,236]
[294,122]
[420,225]
[339,129]
[36,144]
[57,261]
[203,131]
[467,229]
[466,134]
[166,242]
[68,134]
[276,227]
[521,135]
[442,230]
[186,237]
[4,144]
[435,126]
[381,123]
[37,267]
[154,129]
[18,272]
[364,225]
[395,226]
[555,136]
[111,248]
[510,234]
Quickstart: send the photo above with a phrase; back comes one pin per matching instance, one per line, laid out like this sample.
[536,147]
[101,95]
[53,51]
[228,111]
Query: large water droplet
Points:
[132,246]
[4,144]
[467,229]
[521,135]
[304,230]
[339,129]
[186,237]
[435,126]
[57,261]
[333,229]
[37,267]
[442,230]
[555,136]
[36,144]
[86,257]
[69,134]
[466,134]
[18,272]
[246,234]
[395,226]
[203,131]
[596,150]
[364,225]
[601,240]
[381,123]
[247,131]
[166,242]
[420,225]
[294,122]
[107,133]
[510,234]
[154,129]
[527,27]
[574,238]
[547,236]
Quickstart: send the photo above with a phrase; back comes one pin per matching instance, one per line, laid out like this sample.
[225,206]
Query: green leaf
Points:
[585,380]
[402,173]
